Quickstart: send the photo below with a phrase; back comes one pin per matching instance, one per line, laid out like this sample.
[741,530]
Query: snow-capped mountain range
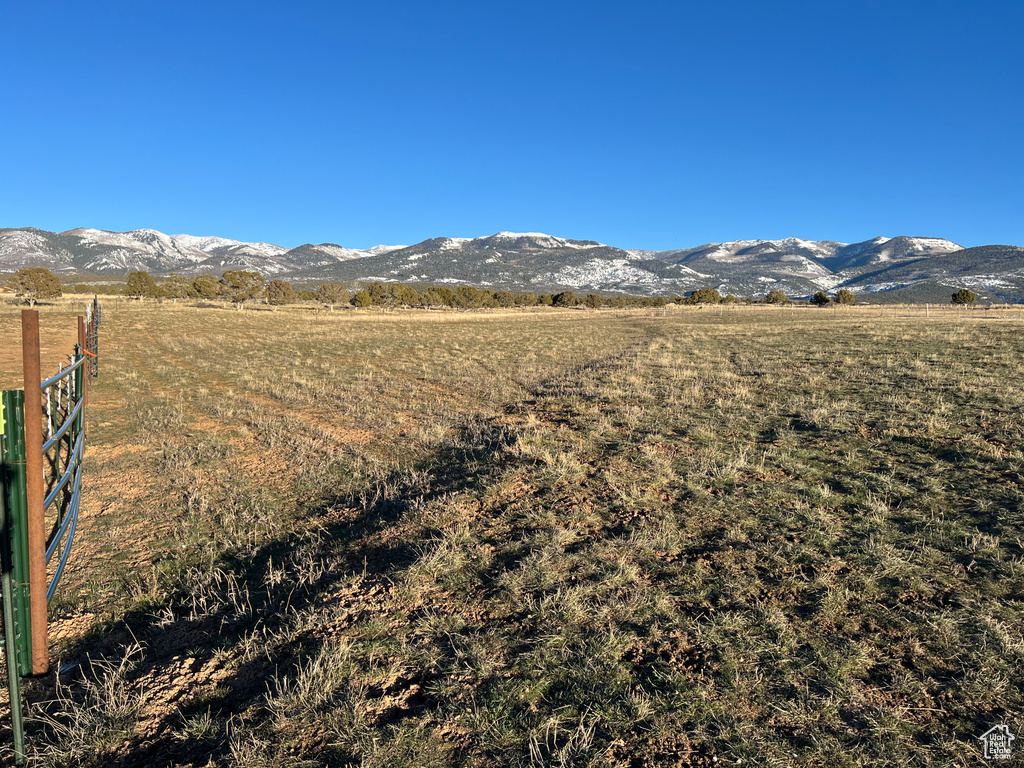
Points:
[98,252]
[899,268]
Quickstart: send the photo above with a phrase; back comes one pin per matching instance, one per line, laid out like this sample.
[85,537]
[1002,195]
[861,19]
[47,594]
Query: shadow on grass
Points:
[351,547]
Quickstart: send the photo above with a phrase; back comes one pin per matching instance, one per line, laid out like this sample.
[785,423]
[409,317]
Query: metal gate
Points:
[42,441]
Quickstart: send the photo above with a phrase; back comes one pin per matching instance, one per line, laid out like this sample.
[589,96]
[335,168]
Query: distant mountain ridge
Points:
[95,251]
[907,268]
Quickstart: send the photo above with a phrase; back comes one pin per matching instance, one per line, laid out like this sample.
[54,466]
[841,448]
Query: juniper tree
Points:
[141,285]
[704,296]
[204,287]
[965,297]
[526,300]
[468,297]
[447,294]
[564,299]
[175,287]
[35,283]
[331,294]
[504,299]
[240,286]
[380,294]
[432,297]
[405,295]
[280,292]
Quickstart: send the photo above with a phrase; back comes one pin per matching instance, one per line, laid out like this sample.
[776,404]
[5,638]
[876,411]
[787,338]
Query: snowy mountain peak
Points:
[532,240]
[147,234]
[452,243]
[378,249]
[537,239]
[203,243]
[931,243]
[796,242]
[210,244]
[517,235]
[540,262]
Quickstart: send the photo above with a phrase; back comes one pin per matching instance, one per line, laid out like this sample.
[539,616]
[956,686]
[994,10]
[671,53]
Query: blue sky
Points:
[643,124]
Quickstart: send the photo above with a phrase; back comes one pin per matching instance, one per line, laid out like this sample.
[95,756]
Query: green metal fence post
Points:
[7,588]
[17,524]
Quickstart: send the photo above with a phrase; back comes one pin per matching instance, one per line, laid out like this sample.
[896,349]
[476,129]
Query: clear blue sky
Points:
[640,124]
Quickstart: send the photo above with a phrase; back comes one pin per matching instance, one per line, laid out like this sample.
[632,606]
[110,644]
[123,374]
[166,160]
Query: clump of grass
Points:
[88,722]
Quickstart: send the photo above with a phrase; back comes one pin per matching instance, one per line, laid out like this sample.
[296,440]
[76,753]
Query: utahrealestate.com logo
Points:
[997,740]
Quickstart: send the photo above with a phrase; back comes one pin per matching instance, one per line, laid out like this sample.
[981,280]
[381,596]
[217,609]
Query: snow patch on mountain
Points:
[828,282]
[517,235]
[888,286]
[727,252]
[806,267]
[379,249]
[453,243]
[209,244]
[340,252]
[688,270]
[539,240]
[24,245]
[934,243]
[607,273]
[641,255]
[904,246]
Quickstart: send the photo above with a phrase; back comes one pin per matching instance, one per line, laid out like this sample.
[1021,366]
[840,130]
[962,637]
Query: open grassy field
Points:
[755,537]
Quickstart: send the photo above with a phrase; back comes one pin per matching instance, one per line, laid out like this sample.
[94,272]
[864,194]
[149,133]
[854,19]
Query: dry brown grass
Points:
[682,538]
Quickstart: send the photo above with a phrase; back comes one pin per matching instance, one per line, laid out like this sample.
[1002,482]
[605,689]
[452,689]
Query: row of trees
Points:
[244,286]
[844,296]
[237,286]
[468,297]
[240,286]
[775,296]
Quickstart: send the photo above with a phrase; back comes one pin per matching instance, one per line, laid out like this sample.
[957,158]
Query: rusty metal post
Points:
[34,489]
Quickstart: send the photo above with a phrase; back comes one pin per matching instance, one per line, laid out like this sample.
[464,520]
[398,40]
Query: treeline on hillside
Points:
[239,287]
[242,286]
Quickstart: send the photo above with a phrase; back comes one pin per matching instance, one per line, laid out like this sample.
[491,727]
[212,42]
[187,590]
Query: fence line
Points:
[42,442]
